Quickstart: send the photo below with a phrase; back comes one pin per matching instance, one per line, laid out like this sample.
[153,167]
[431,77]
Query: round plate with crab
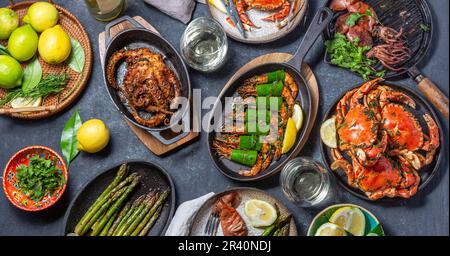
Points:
[388,141]
[263,20]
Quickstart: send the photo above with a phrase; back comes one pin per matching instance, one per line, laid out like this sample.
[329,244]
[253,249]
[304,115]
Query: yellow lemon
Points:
[41,16]
[289,136]
[92,136]
[260,213]
[54,45]
[218,4]
[330,229]
[328,132]
[351,219]
[23,42]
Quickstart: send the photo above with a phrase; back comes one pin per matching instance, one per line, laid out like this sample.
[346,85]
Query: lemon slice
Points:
[218,4]
[20,102]
[297,116]
[351,219]
[328,132]
[330,229]
[260,213]
[289,136]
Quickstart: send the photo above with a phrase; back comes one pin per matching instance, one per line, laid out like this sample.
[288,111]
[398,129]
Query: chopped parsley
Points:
[40,178]
[424,27]
[347,55]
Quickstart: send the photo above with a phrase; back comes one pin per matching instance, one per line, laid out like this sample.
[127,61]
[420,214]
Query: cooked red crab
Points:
[242,6]
[383,138]
[407,137]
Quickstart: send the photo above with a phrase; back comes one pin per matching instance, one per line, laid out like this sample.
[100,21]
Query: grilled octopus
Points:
[149,85]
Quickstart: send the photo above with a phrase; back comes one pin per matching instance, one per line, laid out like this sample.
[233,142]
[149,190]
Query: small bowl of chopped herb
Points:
[35,178]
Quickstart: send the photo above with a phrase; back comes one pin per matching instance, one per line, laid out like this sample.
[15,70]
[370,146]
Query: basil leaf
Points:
[3,50]
[76,59]
[32,75]
[69,137]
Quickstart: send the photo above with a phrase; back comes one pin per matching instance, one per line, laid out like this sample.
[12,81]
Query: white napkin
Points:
[178,9]
[184,215]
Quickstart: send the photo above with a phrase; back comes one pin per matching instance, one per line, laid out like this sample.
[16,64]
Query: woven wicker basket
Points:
[77,81]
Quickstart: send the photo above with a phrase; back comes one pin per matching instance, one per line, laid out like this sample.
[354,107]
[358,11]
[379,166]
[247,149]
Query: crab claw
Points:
[283,13]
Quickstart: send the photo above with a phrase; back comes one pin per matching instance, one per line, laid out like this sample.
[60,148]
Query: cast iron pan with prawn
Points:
[426,173]
[141,37]
[414,16]
[293,67]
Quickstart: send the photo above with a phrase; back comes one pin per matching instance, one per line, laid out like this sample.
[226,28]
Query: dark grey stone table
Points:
[191,168]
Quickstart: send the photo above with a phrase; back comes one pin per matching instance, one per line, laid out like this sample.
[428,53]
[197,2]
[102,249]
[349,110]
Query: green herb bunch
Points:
[347,55]
[40,178]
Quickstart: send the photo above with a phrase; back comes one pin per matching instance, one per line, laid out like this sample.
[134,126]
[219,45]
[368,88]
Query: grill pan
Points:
[293,67]
[137,37]
[410,15]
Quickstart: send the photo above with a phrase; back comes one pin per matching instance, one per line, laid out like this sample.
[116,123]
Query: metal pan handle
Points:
[165,141]
[320,21]
[118,21]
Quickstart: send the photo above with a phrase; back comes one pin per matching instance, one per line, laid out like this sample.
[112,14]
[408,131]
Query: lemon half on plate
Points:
[218,4]
[328,132]
[351,219]
[260,213]
[330,229]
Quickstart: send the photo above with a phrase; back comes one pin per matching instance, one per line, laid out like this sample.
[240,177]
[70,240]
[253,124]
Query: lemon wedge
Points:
[218,4]
[260,213]
[328,132]
[289,136]
[351,219]
[330,229]
[297,116]
[20,102]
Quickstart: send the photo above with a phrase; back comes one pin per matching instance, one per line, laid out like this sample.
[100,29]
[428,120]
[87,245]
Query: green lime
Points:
[22,43]
[41,16]
[10,72]
[8,22]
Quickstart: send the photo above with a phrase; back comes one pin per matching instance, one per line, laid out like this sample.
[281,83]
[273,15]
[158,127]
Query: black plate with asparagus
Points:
[133,199]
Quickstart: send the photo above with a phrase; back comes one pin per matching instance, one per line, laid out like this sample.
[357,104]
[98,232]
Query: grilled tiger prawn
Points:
[148,85]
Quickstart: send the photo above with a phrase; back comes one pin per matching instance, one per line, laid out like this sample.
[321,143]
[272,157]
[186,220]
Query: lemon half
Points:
[297,116]
[289,136]
[351,219]
[330,229]
[218,4]
[260,213]
[20,102]
[328,132]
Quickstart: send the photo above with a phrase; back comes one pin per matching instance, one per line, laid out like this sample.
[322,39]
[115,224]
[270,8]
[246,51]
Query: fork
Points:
[212,225]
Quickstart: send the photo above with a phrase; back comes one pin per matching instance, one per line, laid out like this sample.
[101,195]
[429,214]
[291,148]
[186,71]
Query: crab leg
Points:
[283,13]
[241,9]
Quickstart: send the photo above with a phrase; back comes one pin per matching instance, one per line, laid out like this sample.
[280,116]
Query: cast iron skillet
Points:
[140,37]
[426,173]
[152,176]
[410,15]
[293,67]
